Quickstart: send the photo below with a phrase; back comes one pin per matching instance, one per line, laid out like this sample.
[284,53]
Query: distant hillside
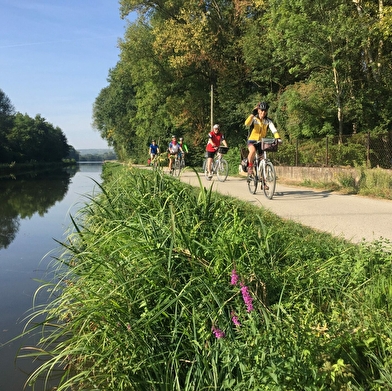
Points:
[95,155]
[94,151]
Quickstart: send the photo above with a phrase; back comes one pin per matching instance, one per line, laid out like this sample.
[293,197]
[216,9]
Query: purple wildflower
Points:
[218,332]
[247,297]
[234,277]
[235,320]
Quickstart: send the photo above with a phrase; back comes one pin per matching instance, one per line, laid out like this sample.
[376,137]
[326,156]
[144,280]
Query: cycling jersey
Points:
[174,147]
[216,139]
[260,127]
[154,149]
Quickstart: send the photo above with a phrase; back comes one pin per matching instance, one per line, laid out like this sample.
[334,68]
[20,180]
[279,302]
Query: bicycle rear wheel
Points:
[269,180]
[222,170]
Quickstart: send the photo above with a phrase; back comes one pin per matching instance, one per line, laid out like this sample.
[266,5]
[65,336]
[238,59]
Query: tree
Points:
[7,111]
[34,139]
[73,154]
[179,51]
[113,110]
[323,66]
[321,40]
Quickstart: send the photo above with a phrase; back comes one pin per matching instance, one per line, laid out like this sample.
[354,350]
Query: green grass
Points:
[143,298]
[375,182]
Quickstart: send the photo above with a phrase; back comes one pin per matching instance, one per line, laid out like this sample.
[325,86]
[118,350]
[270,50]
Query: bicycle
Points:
[182,160]
[176,166]
[204,162]
[156,162]
[264,170]
[220,167]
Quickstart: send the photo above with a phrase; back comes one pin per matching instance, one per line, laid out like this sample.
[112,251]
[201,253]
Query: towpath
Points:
[352,217]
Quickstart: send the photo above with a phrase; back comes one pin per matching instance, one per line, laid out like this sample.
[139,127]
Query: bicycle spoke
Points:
[252,184]
[222,170]
[269,181]
[176,168]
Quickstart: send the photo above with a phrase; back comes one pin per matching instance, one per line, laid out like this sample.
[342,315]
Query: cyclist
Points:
[153,150]
[215,137]
[259,124]
[184,148]
[173,150]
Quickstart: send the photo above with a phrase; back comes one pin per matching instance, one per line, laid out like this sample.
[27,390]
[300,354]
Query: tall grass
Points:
[375,182]
[166,287]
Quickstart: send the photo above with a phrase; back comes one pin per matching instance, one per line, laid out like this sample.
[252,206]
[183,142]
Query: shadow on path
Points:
[301,194]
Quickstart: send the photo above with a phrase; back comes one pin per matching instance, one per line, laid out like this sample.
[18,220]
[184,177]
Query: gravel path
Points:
[352,217]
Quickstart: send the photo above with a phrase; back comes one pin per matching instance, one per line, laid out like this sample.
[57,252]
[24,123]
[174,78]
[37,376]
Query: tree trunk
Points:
[338,91]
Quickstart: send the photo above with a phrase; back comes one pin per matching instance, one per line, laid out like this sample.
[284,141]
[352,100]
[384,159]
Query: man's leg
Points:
[209,166]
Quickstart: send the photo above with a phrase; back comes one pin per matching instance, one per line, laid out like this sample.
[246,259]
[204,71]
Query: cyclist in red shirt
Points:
[215,138]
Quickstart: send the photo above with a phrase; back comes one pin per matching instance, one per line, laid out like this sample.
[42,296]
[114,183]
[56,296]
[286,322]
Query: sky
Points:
[55,57]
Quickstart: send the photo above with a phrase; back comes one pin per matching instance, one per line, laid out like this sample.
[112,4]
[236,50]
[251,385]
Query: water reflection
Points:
[34,212]
[24,195]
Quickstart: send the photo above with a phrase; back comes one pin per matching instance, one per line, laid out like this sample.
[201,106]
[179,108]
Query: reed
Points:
[165,287]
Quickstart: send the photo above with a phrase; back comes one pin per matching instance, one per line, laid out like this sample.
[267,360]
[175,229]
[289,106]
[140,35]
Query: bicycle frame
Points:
[219,166]
[264,173]
[181,156]
[176,166]
[216,161]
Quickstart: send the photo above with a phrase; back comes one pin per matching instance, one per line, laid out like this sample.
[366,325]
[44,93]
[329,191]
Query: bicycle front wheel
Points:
[269,180]
[222,170]
[176,168]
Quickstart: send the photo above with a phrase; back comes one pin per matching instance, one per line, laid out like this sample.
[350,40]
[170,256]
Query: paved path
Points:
[349,216]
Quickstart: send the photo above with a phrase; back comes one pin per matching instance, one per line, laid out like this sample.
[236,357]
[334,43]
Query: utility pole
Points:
[212,106]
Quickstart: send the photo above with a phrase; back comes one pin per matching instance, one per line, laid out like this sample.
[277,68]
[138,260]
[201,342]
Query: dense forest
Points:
[24,139]
[324,67]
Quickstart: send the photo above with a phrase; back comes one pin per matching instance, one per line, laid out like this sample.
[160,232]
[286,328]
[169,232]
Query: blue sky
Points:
[55,56]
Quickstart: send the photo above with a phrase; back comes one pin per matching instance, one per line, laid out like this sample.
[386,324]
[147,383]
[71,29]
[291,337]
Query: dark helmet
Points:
[263,106]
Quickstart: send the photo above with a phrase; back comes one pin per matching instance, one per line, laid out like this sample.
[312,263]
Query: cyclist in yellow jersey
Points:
[260,124]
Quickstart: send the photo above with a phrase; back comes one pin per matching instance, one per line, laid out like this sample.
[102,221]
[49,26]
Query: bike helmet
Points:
[263,106]
[216,126]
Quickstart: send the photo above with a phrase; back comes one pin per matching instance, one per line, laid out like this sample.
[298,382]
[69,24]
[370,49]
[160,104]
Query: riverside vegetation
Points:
[162,286]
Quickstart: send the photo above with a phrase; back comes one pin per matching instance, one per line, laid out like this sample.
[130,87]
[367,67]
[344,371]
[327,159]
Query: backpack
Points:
[244,159]
[244,164]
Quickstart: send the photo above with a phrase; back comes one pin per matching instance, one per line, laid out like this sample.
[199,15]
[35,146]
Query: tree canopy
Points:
[324,67]
[25,139]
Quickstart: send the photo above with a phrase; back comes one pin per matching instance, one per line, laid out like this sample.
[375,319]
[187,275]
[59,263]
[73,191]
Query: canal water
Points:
[35,211]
